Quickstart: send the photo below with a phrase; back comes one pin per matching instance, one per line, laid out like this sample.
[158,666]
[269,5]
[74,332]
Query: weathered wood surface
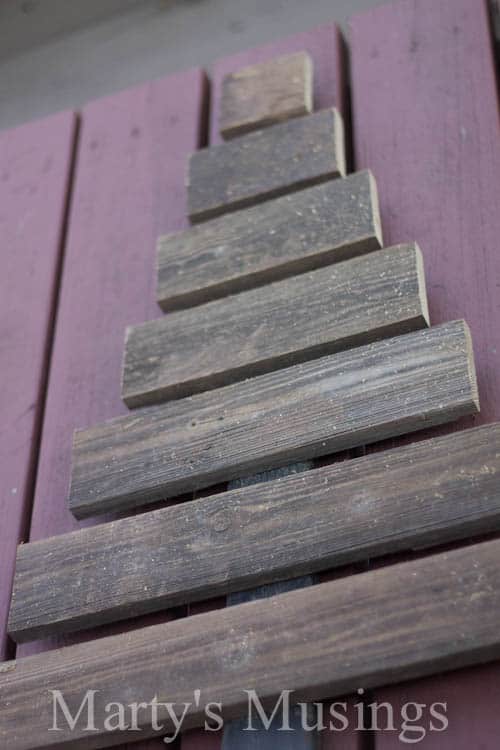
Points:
[446,616]
[119,208]
[330,404]
[299,232]
[265,164]
[325,47]
[437,174]
[310,315]
[266,93]
[431,492]
[35,165]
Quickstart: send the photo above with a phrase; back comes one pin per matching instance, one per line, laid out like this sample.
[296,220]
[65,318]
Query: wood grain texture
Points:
[446,616]
[265,164]
[119,208]
[384,389]
[292,234]
[35,166]
[266,93]
[437,173]
[325,47]
[291,321]
[323,44]
[431,492]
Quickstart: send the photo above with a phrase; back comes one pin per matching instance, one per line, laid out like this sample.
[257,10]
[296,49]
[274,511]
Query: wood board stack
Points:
[339,356]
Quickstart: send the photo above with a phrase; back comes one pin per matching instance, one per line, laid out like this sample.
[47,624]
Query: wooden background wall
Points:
[424,119]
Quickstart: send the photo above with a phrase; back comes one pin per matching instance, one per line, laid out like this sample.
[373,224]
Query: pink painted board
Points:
[425,120]
[325,46]
[35,170]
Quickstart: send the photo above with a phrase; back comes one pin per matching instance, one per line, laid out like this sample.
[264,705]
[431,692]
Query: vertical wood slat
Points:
[324,45]
[35,171]
[426,123]
[129,188]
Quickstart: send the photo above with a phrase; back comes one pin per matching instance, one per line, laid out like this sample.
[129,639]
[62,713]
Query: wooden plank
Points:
[118,211]
[325,47]
[35,166]
[437,160]
[265,164]
[288,235]
[446,616]
[266,93]
[321,312]
[324,44]
[384,389]
[431,492]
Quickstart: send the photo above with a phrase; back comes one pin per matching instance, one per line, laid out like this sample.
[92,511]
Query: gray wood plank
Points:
[310,315]
[266,93]
[265,164]
[427,493]
[299,232]
[350,398]
[385,626]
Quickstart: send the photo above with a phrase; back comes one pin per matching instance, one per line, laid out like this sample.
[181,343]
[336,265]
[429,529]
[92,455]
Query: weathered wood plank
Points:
[446,616]
[384,389]
[299,232]
[266,93]
[324,44]
[431,492]
[291,321]
[436,155]
[35,165]
[265,164]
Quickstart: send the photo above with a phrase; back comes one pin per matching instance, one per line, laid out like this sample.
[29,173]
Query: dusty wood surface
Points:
[324,44]
[403,621]
[266,93]
[431,492]
[291,321]
[265,164]
[292,234]
[350,398]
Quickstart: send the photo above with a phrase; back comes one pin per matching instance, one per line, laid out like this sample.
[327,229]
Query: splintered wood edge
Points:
[471,366]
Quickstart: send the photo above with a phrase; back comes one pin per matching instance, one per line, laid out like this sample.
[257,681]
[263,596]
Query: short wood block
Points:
[299,232]
[385,626]
[351,303]
[261,95]
[265,164]
[427,493]
[351,398]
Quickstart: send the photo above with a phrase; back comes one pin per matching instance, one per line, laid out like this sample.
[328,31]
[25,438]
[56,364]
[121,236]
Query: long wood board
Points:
[321,312]
[35,172]
[325,46]
[265,164]
[403,621]
[431,492]
[299,232]
[380,390]
[431,137]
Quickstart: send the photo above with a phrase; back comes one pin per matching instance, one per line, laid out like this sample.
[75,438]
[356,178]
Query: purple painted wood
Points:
[325,47]
[35,168]
[426,122]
